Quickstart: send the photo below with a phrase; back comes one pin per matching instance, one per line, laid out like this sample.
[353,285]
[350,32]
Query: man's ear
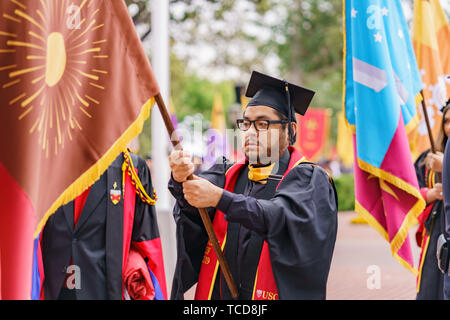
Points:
[294,127]
[294,133]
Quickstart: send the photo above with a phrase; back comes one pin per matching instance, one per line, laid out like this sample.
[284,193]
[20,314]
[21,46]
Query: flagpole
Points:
[203,213]
[430,133]
[427,121]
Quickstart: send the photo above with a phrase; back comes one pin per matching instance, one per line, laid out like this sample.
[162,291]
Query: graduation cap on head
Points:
[285,97]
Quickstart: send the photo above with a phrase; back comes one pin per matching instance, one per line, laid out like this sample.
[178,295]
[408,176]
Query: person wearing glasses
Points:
[274,213]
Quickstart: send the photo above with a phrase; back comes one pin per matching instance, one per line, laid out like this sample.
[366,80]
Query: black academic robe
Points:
[100,241]
[298,221]
[446,192]
[432,222]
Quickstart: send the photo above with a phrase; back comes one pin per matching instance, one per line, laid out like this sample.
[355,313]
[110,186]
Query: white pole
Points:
[160,139]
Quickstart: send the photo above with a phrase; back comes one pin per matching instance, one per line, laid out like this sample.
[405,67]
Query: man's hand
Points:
[435,193]
[181,164]
[201,193]
[434,161]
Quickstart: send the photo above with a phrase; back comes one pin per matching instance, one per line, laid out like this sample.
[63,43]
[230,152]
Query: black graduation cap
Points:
[268,91]
[278,94]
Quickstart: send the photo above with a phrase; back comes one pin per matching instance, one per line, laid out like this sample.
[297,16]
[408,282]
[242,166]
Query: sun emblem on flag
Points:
[54,63]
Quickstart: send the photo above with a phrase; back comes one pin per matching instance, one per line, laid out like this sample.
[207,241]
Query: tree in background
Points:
[309,45]
[216,43]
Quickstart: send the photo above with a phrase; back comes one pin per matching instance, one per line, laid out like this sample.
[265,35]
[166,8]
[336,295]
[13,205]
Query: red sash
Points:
[265,287]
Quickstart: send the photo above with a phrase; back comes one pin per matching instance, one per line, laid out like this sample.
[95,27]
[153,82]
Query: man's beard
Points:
[257,160]
[262,156]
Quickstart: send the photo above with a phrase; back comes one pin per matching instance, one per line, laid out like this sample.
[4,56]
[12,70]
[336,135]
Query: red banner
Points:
[313,131]
[76,88]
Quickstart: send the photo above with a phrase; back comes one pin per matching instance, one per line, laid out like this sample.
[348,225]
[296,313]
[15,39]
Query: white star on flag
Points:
[384,11]
[400,34]
[378,37]
[353,13]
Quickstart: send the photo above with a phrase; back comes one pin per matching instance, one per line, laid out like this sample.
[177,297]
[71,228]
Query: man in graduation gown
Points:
[274,213]
[443,247]
[83,250]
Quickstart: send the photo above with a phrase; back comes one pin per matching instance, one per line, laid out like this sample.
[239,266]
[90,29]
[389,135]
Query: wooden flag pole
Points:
[203,213]
[427,121]
[430,133]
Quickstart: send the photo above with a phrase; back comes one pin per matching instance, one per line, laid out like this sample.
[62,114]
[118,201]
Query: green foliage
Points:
[346,193]
[311,50]
[190,95]
[313,38]
[305,35]
[197,96]
[145,141]
[328,95]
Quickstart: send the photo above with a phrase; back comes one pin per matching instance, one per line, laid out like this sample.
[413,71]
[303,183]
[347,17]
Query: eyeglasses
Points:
[260,125]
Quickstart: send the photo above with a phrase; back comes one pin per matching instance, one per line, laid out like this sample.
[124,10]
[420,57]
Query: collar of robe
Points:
[260,174]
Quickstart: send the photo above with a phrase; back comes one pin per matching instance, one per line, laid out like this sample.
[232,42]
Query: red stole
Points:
[129,203]
[265,287]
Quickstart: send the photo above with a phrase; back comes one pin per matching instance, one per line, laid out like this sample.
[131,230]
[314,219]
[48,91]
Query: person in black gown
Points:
[428,165]
[274,213]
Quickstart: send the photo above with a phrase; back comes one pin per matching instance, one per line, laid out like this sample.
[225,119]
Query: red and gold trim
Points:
[265,287]
[128,168]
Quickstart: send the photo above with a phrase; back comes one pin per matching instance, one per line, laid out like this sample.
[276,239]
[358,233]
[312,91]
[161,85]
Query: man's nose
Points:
[252,130]
[251,134]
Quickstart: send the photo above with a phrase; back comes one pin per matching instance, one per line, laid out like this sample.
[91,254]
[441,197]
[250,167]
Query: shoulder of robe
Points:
[306,170]
[311,179]
[138,162]
[117,163]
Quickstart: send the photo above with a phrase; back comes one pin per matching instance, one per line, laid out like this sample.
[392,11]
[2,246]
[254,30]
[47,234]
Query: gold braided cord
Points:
[128,167]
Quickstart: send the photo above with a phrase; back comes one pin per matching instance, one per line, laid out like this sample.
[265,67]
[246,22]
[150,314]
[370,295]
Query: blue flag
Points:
[381,86]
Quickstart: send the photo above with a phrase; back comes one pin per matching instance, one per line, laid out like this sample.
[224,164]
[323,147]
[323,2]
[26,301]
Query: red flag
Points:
[312,132]
[76,87]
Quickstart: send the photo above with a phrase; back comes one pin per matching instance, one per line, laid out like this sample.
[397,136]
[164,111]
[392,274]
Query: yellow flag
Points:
[344,141]
[431,40]
[217,115]
[244,102]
